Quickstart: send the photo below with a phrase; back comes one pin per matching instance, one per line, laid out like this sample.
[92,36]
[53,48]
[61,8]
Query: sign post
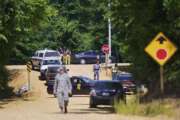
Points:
[105,49]
[29,77]
[161,49]
[162,80]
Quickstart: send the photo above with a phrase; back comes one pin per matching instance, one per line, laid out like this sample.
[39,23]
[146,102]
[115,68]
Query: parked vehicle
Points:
[50,78]
[81,84]
[48,62]
[89,57]
[126,79]
[42,54]
[105,93]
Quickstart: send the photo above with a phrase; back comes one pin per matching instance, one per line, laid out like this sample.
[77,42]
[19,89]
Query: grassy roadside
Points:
[167,107]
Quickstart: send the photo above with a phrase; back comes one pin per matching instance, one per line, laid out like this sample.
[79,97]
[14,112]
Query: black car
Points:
[81,84]
[105,93]
[89,57]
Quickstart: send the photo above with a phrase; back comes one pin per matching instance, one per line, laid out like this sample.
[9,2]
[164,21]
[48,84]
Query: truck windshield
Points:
[51,62]
[51,54]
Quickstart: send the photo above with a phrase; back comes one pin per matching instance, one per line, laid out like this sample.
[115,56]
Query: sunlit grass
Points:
[149,109]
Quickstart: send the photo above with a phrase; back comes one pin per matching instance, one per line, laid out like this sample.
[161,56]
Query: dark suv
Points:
[50,78]
[105,93]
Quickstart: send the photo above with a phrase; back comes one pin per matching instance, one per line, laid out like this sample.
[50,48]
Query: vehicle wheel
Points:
[83,61]
[49,91]
[92,104]
[44,77]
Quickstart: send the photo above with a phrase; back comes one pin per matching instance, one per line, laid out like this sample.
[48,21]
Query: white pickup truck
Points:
[42,54]
[46,63]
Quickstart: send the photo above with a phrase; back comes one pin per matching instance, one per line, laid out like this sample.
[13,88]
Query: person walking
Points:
[62,89]
[96,70]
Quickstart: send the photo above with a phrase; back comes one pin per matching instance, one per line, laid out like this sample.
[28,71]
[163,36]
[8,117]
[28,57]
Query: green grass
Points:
[150,109]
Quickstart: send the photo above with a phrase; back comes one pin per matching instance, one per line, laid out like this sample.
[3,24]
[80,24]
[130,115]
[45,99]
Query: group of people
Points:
[65,56]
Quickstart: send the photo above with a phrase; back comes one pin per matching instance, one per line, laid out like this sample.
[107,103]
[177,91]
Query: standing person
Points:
[62,89]
[114,71]
[61,54]
[65,58]
[68,59]
[96,70]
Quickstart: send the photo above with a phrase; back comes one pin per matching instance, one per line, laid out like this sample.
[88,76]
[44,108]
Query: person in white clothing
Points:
[62,89]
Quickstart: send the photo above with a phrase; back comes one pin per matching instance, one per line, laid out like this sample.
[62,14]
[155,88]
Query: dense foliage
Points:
[140,21]
[19,19]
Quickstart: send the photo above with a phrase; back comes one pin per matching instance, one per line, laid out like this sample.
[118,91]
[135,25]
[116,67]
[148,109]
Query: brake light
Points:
[93,93]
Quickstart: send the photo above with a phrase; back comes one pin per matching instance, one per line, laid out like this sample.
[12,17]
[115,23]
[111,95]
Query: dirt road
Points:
[44,107]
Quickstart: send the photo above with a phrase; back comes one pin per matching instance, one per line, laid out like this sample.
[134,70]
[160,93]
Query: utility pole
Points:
[109,30]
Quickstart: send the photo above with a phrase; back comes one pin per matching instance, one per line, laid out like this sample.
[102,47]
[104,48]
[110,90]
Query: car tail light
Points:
[93,93]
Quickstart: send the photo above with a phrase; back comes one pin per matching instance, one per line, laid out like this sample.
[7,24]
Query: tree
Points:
[139,22]
[18,19]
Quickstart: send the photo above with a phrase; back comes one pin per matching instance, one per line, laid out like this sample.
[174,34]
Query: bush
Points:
[5,90]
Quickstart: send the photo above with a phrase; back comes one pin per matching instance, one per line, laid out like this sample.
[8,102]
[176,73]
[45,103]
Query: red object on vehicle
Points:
[105,48]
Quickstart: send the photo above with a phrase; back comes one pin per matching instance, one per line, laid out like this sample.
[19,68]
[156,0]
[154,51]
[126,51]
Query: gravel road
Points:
[44,107]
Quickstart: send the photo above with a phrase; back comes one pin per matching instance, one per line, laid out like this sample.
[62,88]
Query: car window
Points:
[51,54]
[86,79]
[107,85]
[40,54]
[75,80]
[94,53]
[51,62]
[87,53]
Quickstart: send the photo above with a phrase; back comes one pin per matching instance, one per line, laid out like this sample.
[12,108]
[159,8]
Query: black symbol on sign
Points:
[161,40]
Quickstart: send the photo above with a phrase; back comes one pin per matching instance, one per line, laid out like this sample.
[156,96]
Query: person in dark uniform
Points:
[96,70]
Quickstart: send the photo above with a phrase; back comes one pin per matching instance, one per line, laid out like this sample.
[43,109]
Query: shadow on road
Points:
[74,96]
[5,102]
[99,110]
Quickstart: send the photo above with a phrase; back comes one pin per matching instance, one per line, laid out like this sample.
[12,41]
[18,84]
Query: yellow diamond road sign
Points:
[161,49]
